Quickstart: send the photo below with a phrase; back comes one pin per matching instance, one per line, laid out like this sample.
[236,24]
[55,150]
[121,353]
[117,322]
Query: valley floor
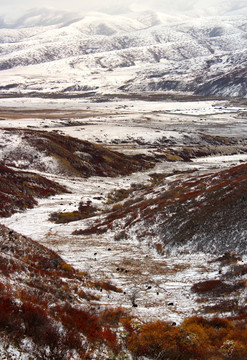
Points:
[156,285]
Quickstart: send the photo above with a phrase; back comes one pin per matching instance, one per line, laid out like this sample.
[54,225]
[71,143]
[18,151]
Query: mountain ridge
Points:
[126,53]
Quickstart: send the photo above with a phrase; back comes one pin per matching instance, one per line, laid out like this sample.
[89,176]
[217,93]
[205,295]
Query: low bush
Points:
[118,195]
[84,212]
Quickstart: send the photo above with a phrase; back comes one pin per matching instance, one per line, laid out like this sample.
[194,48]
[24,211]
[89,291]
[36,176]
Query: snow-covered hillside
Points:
[134,52]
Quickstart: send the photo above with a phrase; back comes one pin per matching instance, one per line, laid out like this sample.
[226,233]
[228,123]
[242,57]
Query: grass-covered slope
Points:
[186,211]
[51,152]
[45,306]
[19,189]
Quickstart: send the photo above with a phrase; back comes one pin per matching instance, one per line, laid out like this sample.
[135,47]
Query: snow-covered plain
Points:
[150,280]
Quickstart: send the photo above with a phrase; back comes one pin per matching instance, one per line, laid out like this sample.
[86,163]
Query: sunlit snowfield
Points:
[160,285]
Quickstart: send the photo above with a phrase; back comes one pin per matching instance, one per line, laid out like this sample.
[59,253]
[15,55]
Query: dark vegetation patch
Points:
[85,211]
[227,258]
[226,293]
[18,190]
[218,287]
[224,306]
[237,270]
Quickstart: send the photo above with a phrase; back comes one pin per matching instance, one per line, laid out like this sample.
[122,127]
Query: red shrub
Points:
[111,340]
[8,314]
[82,321]
[39,326]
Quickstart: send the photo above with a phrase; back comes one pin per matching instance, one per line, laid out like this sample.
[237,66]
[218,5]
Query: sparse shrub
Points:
[172,156]
[121,235]
[158,178]
[157,340]
[93,230]
[228,258]
[237,270]
[229,305]
[67,268]
[233,350]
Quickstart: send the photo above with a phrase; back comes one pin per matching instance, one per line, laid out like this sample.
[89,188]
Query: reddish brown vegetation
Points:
[227,258]
[41,305]
[18,189]
[106,286]
[217,287]
[42,302]
[112,317]
[195,209]
[196,338]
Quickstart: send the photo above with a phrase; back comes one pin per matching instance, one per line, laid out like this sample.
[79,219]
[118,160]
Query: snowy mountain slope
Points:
[132,52]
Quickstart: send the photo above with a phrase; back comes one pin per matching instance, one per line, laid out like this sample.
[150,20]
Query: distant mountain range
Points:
[53,52]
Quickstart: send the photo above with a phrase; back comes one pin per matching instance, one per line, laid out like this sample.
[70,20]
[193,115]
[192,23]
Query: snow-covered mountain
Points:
[52,52]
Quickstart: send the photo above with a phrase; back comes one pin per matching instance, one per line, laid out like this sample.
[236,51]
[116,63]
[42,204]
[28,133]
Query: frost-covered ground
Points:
[160,286]
[124,120]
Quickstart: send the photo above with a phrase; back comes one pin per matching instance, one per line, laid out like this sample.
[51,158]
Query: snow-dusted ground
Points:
[131,266]
[197,108]
[124,120]
[150,280]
